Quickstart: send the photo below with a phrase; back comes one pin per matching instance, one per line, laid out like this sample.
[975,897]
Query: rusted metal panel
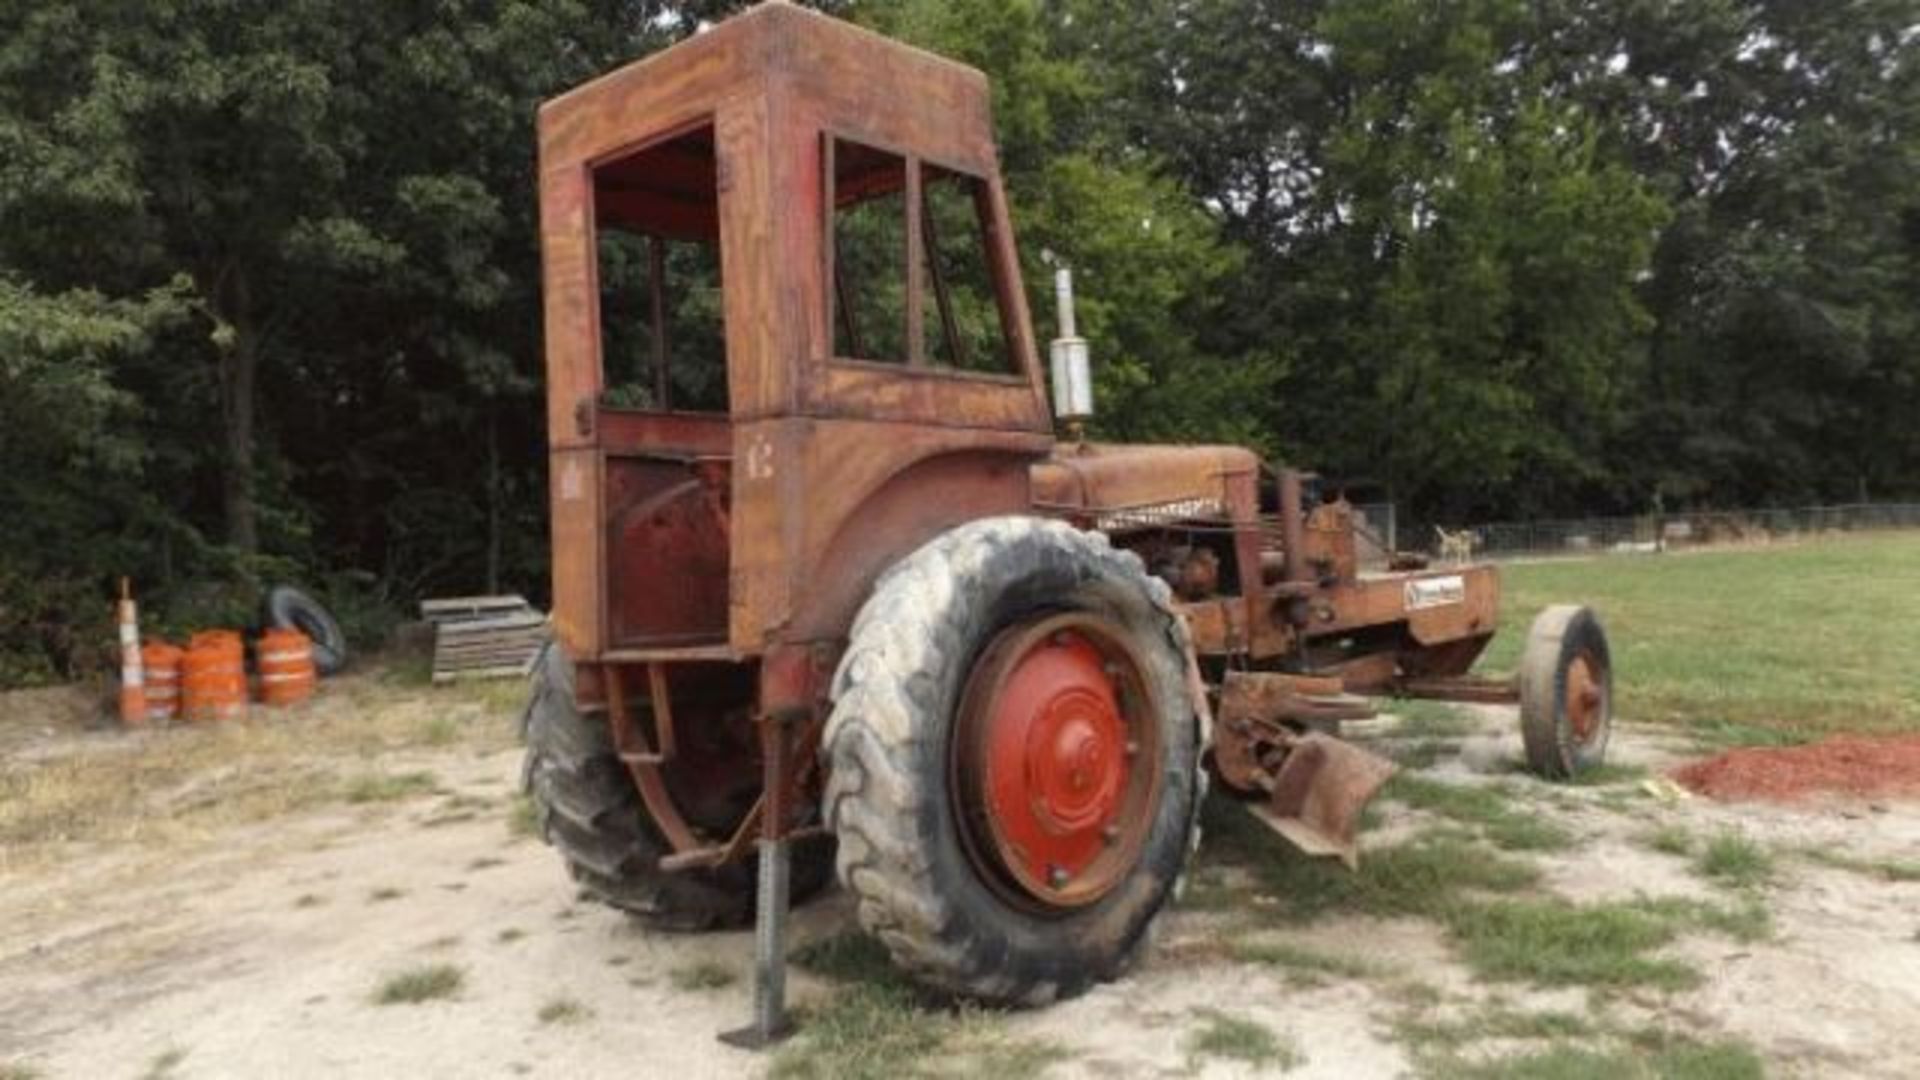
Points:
[575,496]
[927,396]
[1098,476]
[1447,615]
[667,558]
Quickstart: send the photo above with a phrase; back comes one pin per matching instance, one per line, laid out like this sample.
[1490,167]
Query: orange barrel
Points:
[161,662]
[286,667]
[213,677]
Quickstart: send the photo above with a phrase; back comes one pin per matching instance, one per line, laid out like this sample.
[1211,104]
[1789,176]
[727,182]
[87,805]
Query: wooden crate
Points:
[484,637]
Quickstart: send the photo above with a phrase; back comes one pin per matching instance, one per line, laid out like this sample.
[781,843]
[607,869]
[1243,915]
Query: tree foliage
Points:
[269,289]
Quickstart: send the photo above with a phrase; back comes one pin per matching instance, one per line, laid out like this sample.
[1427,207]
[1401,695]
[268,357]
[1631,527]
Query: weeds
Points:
[510,935]
[1677,1059]
[849,956]
[1423,718]
[873,1031]
[1233,1038]
[439,730]
[389,787]
[385,893]
[1304,966]
[164,1063]
[1492,1022]
[1556,943]
[1733,860]
[523,819]
[1427,875]
[1487,806]
[429,983]
[1608,773]
[878,1026]
[1748,921]
[705,975]
[1669,840]
[1885,869]
[564,1010]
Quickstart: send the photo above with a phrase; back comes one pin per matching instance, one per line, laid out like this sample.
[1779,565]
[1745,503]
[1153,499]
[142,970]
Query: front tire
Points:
[1566,692]
[1095,730]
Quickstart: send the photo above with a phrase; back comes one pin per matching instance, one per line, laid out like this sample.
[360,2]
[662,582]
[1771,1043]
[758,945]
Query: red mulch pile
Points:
[1845,765]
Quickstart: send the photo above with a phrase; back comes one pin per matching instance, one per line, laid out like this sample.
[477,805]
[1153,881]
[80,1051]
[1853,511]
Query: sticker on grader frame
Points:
[1436,592]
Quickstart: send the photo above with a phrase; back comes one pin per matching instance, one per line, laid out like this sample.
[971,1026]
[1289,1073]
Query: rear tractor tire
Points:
[1566,692]
[1014,757]
[587,807]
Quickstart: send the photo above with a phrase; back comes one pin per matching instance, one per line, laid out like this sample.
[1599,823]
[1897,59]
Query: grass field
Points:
[1796,640]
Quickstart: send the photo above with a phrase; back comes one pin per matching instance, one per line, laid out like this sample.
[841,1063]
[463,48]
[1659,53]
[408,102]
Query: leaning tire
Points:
[1566,692]
[900,796]
[588,809]
[289,608]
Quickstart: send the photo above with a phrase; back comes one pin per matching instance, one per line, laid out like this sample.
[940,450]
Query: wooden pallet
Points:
[484,637]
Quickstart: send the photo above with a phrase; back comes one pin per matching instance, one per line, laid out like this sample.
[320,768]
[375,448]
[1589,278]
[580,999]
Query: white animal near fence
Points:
[1456,547]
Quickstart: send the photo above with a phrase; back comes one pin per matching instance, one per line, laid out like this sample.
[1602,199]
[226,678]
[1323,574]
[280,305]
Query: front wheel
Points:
[1014,760]
[1566,692]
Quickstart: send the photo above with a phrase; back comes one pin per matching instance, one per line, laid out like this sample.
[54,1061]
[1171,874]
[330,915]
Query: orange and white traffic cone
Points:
[133,688]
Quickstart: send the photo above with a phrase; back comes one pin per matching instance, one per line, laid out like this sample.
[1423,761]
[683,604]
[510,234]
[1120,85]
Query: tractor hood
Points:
[1188,481]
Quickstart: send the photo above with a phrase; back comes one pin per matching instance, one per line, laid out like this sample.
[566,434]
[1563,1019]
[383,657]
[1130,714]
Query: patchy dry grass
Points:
[1674,840]
[389,787]
[876,1025]
[164,1063]
[523,819]
[869,1031]
[431,982]
[1426,1034]
[1303,966]
[1557,943]
[1677,1059]
[1489,807]
[1884,869]
[1234,1038]
[1424,719]
[14,1070]
[1732,859]
[1422,876]
[1609,773]
[384,893]
[186,783]
[705,975]
[510,935]
[564,1011]
[848,956]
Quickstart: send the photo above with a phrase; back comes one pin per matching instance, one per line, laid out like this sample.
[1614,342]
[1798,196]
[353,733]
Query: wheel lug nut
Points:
[1133,748]
[1057,876]
[1111,835]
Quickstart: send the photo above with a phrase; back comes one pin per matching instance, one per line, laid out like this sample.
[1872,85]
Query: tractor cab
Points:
[778,261]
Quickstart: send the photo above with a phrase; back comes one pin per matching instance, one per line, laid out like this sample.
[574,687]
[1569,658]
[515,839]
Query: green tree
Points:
[1149,261]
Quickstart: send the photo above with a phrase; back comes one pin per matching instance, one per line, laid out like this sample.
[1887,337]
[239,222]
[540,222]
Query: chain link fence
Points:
[1661,532]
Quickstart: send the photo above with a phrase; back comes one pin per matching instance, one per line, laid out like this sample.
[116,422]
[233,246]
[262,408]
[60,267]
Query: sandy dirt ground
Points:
[253,945]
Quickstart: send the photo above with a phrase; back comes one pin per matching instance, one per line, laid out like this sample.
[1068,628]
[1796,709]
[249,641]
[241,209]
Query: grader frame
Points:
[716,531]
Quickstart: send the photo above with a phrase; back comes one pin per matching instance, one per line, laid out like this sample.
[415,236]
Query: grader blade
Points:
[1319,793]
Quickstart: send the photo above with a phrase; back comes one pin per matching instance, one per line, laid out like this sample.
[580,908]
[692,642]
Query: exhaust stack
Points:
[1072,365]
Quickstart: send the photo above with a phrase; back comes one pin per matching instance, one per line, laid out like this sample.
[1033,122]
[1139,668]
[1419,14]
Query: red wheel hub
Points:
[1586,699]
[1055,768]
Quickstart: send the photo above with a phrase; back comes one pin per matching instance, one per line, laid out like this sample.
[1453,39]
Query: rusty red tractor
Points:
[828,590]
